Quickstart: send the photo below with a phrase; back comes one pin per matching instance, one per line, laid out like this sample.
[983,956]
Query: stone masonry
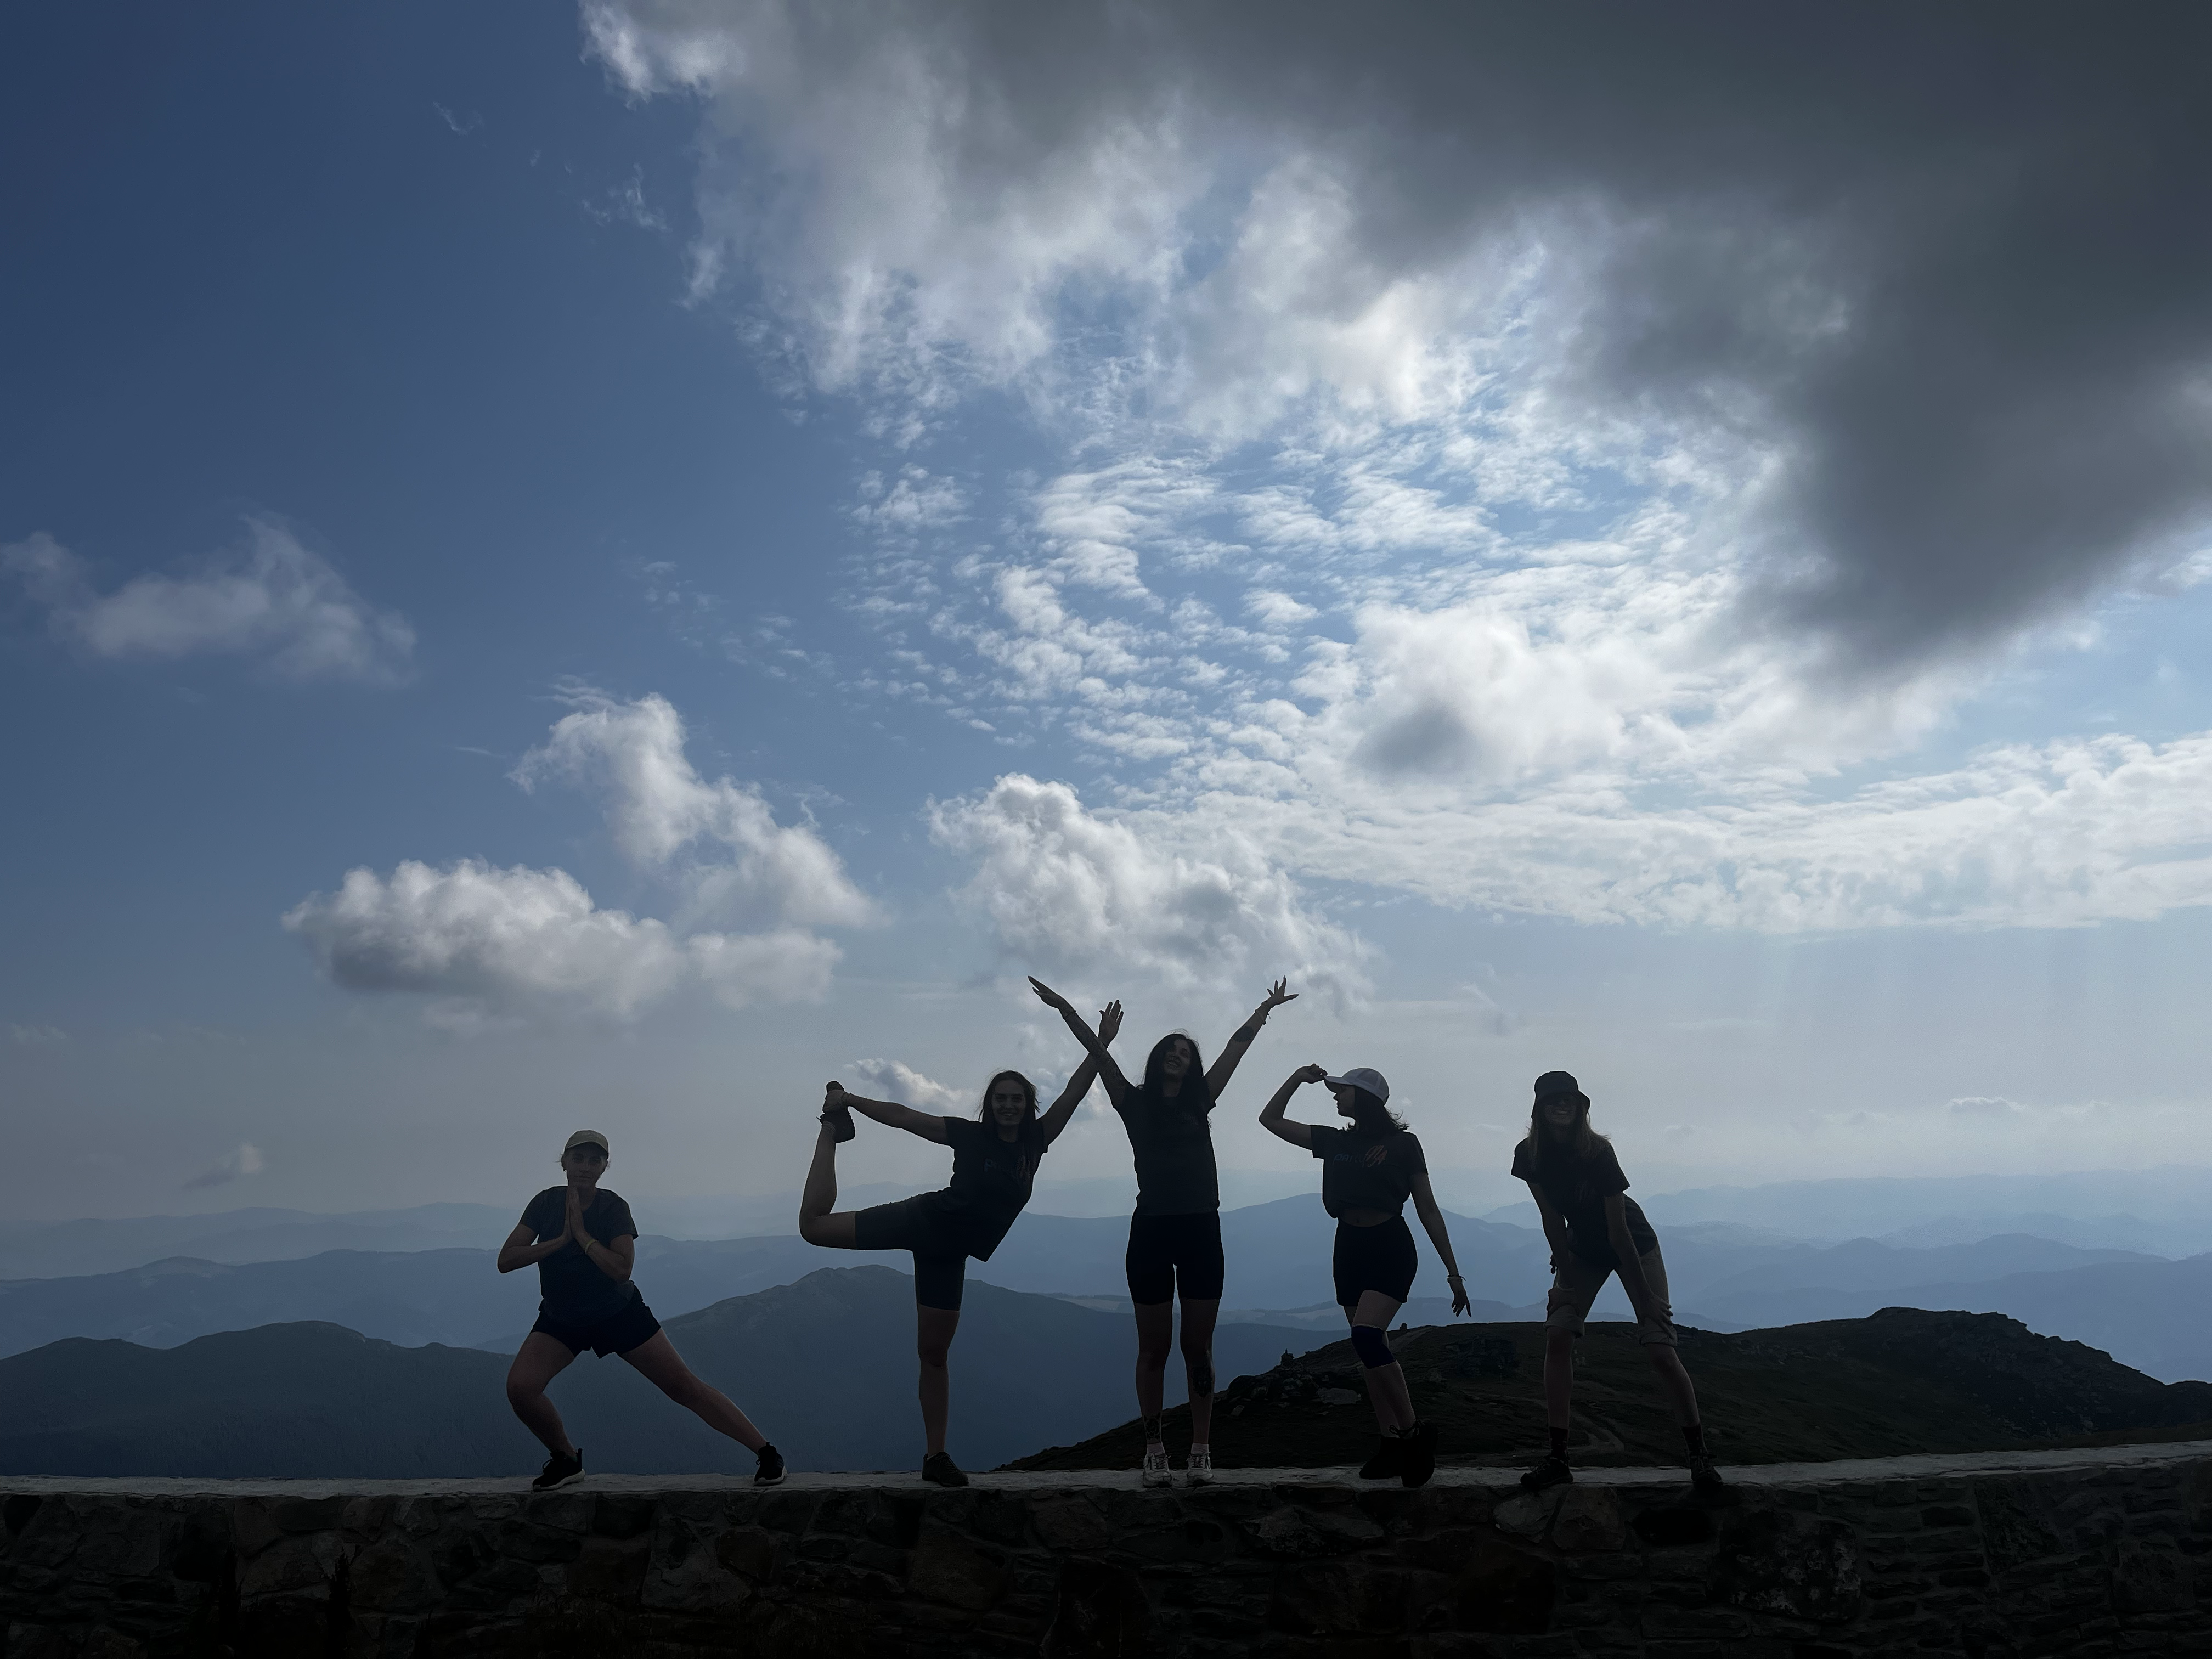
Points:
[1994,1555]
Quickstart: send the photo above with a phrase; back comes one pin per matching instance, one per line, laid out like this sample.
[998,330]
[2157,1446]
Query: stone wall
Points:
[2102,1552]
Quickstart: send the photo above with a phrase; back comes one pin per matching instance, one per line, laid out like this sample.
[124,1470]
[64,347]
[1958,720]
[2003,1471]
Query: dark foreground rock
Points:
[2104,1551]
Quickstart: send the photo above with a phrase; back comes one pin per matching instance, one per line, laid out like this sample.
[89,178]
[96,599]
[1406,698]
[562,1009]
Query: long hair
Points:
[1193,1092]
[1029,1094]
[1370,1116]
[1580,1141]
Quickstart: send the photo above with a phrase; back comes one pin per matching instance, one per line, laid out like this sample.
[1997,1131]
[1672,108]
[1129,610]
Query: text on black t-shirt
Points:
[1367,1172]
[991,1181]
[570,1285]
[1577,1188]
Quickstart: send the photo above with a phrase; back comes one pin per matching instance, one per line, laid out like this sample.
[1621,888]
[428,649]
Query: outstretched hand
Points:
[1278,993]
[1311,1074]
[1050,997]
[1110,1020]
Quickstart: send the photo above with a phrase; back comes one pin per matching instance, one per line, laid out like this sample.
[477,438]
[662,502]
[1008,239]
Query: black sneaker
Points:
[558,1470]
[1389,1457]
[841,1128]
[1552,1472]
[770,1472]
[1703,1475]
[939,1470]
[1420,1453]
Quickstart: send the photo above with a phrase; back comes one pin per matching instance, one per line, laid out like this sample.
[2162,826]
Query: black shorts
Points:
[1374,1259]
[632,1327]
[1169,1253]
[940,1261]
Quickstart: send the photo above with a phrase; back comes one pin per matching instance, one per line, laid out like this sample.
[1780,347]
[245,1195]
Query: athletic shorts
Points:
[1374,1259]
[940,1264]
[615,1332]
[1172,1252]
[1576,1285]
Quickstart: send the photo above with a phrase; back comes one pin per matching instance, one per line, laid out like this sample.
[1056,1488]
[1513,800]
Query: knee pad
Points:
[1372,1346]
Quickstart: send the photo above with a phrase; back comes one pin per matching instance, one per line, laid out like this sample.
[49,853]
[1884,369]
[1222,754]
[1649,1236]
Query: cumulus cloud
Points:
[892,1079]
[245,1160]
[270,599]
[496,941]
[1065,890]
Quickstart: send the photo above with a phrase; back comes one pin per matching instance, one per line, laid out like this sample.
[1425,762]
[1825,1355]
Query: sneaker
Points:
[770,1472]
[1155,1470]
[1552,1472]
[1389,1457]
[558,1470]
[841,1128]
[1703,1475]
[1199,1471]
[939,1470]
[1420,1454]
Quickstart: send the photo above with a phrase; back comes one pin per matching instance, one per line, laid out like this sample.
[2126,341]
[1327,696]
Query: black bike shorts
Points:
[632,1327]
[940,1263]
[1374,1259]
[1169,1253]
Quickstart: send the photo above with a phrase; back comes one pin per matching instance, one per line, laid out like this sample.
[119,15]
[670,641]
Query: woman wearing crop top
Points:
[1368,1172]
[994,1163]
[1596,1230]
[1174,1234]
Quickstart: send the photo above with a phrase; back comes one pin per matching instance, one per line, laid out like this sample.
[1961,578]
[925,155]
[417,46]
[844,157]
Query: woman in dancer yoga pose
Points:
[994,1161]
[1174,1236]
[1368,1172]
[1595,1230]
[582,1241]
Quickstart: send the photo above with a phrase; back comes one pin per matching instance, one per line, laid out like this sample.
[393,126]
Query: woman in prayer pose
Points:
[1595,1230]
[582,1241]
[994,1163]
[1174,1236]
[1368,1171]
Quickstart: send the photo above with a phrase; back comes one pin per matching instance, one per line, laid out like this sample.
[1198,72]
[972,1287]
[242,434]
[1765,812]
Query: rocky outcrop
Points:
[1999,1554]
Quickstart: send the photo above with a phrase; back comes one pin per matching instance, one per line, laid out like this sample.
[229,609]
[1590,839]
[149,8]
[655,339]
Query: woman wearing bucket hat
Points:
[1368,1172]
[1595,1230]
[582,1241]
[1174,1234]
[994,1163]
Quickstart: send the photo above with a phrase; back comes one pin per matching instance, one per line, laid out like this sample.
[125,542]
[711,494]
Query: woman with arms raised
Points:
[1368,1172]
[1595,1230]
[1175,1237]
[581,1238]
[994,1163]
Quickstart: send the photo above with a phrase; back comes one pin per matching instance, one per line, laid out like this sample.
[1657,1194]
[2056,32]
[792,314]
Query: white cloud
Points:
[496,941]
[245,1160]
[37,1036]
[270,599]
[892,1079]
[1067,892]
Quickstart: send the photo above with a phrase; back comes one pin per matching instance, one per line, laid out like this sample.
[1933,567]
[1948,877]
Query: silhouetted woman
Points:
[1174,1236]
[1595,1230]
[582,1241]
[994,1163]
[1368,1171]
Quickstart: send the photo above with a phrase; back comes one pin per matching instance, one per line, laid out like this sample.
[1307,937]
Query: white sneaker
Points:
[1198,1472]
[1155,1470]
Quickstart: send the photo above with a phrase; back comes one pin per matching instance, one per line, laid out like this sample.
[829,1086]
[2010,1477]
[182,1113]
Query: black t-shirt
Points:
[991,1181]
[1577,1188]
[570,1285]
[1173,1142]
[1361,1172]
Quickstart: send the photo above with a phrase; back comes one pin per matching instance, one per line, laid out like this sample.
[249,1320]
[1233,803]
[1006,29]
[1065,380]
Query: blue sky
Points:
[609,565]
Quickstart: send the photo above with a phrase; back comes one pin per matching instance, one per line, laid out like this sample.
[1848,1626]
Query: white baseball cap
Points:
[1365,1077]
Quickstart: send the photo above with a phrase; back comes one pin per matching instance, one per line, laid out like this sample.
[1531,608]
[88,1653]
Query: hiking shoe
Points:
[770,1472]
[1420,1454]
[1156,1472]
[1703,1475]
[939,1470]
[1552,1472]
[558,1470]
[1199,1471]
[1390,1458]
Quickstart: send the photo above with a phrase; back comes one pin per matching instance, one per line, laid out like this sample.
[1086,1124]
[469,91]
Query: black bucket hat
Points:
[1561,1083]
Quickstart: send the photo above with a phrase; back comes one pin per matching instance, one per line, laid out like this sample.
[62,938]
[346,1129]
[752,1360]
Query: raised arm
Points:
[1224,1063]
[1055,1120]
[1432,1222]
[888,1113]
[1271,1116]
[1117,1086]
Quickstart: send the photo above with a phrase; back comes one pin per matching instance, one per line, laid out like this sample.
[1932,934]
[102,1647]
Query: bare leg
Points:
[932,1329]
[1155,1336]
[1681,1393]
[1386,1384]
[1198,1319]
[1559,1378]
[658,1361]
[816,1225]
[540,1361]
